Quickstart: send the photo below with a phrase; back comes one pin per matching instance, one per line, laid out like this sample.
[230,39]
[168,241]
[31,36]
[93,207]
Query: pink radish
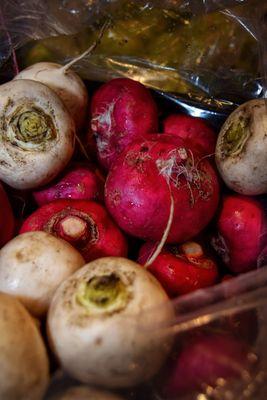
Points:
[80,183]
[180,269]
[150,174]
[7,223]
[122,110]
[205,359]
[84,224]
[241,227]
[194,131]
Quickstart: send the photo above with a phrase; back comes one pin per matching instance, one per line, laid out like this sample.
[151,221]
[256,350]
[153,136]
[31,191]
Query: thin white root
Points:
[82,147]
[89,51]
[165,235]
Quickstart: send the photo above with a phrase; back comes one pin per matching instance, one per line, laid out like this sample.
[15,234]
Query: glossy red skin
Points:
[176,274]
[203,360]
[80,183]
[241,224]
[138,196]
[193,130]
[7,222]
[133,114]
[110,242]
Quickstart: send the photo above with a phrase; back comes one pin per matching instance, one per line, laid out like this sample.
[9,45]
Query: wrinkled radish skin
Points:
[67,85]
[23,357]
[33,265]
[122,110]
[102,323]
[241,150]
[140,184]
[36,134]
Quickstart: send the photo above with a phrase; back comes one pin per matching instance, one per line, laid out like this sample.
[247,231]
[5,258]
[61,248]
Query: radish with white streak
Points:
[33,265]
[102,323]
[241,150]
[37,134]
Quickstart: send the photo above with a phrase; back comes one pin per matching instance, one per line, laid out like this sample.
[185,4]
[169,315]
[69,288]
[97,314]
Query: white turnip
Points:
[102,323]
[36,134]
[23,358]
[65,82]
[33,265]
[241,150]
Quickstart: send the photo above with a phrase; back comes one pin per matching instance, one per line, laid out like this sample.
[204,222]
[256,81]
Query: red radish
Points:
[84,224]
[180,269]
[7,223]
[205,359]
[241,226]
[122,110]
[80,183]
[194,131]
[148,175]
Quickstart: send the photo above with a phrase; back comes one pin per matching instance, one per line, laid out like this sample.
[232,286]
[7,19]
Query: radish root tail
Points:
[165,234]
[89,51]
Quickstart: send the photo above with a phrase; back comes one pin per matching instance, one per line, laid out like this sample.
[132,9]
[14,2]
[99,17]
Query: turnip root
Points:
[241,150]
[85,393]
[195,132]
[36,133]
[151,172]
[102,323]
[206,359]
[241,228]
[23,358]
[33,265]
[122,110]
[84,224]
[7,222]
[79,183]
[180,269]
[67,85]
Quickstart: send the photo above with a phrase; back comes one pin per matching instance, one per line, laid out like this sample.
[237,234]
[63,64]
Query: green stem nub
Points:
[106,293]
[236,136]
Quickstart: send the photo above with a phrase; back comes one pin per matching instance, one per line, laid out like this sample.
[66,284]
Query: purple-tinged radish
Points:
[79,183]
[151,176]
[102,323]
[122,111]
[33,265]
[37,134]
[241,150]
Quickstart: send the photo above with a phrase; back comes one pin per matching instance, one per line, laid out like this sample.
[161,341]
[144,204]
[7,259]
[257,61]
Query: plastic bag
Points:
[209,60]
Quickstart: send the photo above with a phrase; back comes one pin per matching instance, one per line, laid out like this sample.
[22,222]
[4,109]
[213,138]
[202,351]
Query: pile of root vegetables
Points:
[108,211]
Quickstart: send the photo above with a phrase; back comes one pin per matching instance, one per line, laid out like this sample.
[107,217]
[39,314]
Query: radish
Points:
[36,133]
[194,131]
[241,154]
[33,265]
[241,227]
[102,323]
[180,269]
[206,360]
[122,110]
[84,224]
[80,183]
[23,357]
[7,222]
[65,83]
[84,393]
[154,176]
